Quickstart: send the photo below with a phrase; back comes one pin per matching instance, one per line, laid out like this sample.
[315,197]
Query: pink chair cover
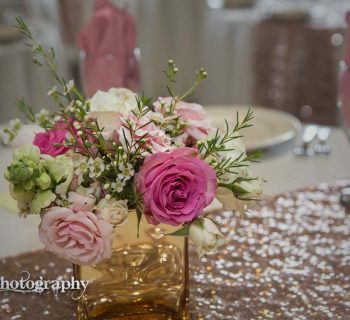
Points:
[108,41]
[345,79]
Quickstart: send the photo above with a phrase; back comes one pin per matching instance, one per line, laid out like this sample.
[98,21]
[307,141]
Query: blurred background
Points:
[275,53]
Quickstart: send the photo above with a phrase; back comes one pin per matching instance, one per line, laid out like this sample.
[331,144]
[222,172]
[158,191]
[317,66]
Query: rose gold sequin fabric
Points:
[287,258]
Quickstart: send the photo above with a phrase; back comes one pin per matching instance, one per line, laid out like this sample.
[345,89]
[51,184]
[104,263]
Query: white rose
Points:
[206,236]
[248,192]
[253,189]
[113,211]
[229,201]
[120,100]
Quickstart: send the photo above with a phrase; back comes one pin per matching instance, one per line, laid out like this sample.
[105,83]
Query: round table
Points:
[287,258]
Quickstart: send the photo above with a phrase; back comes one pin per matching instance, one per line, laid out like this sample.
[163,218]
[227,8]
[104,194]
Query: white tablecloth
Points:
[282,170]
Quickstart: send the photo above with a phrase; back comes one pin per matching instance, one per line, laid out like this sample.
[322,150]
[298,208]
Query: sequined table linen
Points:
[287,258]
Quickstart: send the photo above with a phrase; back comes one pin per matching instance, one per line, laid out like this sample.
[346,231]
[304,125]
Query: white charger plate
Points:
[270,127]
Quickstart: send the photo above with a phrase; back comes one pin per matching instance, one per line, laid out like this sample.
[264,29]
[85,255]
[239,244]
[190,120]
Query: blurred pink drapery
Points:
[109,40]
[345,80]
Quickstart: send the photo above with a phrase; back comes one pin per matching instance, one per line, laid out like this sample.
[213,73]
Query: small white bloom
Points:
[170,127]
[127,171]
[52,91]
[206,236]
[113,211]
[80,166]
[43,113]
[15,124]
[118,186]
[69,87]
[156,117]
[57,118]
[96,167]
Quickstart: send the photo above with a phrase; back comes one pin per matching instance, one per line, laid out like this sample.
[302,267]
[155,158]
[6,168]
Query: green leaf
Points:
[182,232]
[25,109]
[253,157]
[236,190]
[139,216]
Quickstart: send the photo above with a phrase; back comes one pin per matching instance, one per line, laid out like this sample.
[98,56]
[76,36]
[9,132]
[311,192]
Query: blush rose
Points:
[79,237]
[198,123]
[176,186]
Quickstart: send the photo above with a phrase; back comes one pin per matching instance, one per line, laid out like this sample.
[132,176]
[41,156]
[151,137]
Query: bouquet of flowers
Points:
[84,167]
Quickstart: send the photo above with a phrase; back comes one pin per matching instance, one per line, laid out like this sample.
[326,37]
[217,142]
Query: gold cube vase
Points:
[146,277]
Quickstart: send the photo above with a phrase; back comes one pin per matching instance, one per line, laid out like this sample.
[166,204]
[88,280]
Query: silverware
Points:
[345,197]
[309,135]
[322,147]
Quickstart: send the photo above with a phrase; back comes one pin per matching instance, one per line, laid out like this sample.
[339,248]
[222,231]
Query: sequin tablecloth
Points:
[288,258]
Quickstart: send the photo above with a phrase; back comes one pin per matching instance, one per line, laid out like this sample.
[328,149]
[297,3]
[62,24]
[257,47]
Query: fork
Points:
[322,147]
[305,149]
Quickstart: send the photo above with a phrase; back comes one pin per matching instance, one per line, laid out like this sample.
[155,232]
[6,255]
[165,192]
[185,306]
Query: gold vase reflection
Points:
[146,278]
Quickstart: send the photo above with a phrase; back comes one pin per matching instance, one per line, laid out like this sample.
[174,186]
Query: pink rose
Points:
[51,142]
[77,237]
[198,124]
[80,202]
[176,186]
[154,137]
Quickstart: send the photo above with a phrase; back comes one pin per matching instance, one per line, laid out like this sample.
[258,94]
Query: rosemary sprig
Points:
[46,58]
[216,147]
[213,146]
[25,109]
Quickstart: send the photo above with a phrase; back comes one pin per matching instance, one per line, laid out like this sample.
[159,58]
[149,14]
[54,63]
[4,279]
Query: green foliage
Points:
[25,109]
[214,147]
[182,232]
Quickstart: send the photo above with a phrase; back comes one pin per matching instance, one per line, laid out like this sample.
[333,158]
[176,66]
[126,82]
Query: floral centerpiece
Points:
[90,166]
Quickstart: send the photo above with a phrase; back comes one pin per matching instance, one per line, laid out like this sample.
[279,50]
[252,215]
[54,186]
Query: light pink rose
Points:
[79,237]
[176,186]
[154,137]
[199,125]
[80,202]
[51,142]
